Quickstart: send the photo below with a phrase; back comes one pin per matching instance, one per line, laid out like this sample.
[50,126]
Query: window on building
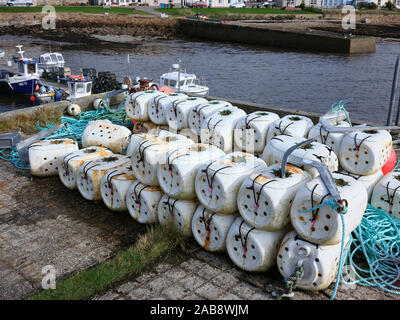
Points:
[397,2]
[290,3]
[314,2]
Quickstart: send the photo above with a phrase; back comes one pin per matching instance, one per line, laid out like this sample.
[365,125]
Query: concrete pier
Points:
[310,41]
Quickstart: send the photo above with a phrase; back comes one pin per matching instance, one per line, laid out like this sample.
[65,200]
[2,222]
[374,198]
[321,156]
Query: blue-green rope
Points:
[337,106]
[377,238]
[12,156]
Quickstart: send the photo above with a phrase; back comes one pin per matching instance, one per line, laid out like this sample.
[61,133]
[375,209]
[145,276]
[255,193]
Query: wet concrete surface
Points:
[43,223]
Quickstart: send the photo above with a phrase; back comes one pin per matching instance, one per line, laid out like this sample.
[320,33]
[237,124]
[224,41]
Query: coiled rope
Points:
[338,106]
[12,156]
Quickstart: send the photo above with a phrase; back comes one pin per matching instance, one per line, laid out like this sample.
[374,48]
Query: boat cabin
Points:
[79,86]
[171,78]
[51,59]
[27,67]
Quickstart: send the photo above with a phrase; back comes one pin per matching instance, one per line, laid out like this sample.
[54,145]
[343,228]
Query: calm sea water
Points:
[297,80]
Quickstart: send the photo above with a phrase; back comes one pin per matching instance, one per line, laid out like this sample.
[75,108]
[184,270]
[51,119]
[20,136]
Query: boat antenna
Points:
[20,50]
[179,75]
[129,72]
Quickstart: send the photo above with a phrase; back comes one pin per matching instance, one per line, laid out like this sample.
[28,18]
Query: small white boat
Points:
[79,86]
[183,82]
[51,59]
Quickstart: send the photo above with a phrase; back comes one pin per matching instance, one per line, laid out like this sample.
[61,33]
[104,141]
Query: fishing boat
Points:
[51,59]
[180,81]
[24,80]
[79,86]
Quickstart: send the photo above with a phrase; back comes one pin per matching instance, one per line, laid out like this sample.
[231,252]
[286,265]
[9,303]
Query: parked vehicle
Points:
[266,4]
[198,4]
[237,5]
[26,3]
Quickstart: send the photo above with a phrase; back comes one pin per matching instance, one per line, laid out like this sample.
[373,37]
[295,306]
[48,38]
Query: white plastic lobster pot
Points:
[188,133]
[136,105]
[210,229]
[264,199]
[320,263]
[277,146]
[90,173]
[331,139]
[369,182]
[251,131]
[105,134]
[114,187]
[218,182]
[177,173]
[136,138]
[160,104]
[252,249]
[179,212]
[324,225]
[365,152]
[45,155]
[292,125]
[386,194]
[178,112]
[142,202]
[200,113]
[218,128]
[148,154]
[70,163]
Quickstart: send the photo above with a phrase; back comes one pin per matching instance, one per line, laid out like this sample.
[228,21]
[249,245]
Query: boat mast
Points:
[20,50]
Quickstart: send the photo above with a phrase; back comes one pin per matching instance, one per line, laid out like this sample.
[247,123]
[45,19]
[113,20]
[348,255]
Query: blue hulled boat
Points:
[24,80]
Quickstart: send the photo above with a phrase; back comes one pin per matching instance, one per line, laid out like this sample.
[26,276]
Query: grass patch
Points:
[223,11]
[157,242]
[80,9]
[28,122]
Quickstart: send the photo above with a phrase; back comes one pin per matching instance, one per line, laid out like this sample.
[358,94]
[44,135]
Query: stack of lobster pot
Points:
[176,176]
[264,202]
[136,105]
[114,187]
[178,112]
[251,131]
[316,243]
[277,146]
[71,162]
[217,185]
[159,105]
[105,134]
[45,155]
[291,125]
[90,173]
[218,128]
[386,194]
[200,113]
[148,153]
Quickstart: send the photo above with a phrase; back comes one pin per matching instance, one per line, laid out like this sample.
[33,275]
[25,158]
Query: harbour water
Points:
[291,79]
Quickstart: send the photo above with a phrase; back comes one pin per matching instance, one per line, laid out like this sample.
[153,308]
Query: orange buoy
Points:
[33,98]
[166,89]
[390,164]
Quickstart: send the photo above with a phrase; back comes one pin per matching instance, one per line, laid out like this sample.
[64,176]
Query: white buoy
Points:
[179,212]
[365,152]
[142,202]
[320,263]
[98,104]
[386,194]
[45,155]
[73,110]
[265,198]
[324,225]
[177,173]
[218,128]
[217,182]
[159,105]
[199,113]
[369,181]
[292,125]
[105,134]
[70,163]
[252,249]
[251,131]
[277,146]
[114,187]
[90,173]
[210,229]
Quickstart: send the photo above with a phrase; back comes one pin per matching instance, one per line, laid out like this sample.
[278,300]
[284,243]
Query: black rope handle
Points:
[156,103]
[65,163]
[211,181]
[357,146]
[243,241]
[170,207]
[391,198]
[134,101]
[257,195]
[247,123]
[206,222]
[141,151]
[323,140]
